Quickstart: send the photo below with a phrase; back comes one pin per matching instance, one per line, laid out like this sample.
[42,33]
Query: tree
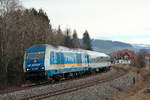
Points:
[7,34]
[44,15]
[67,38]
[1,48]
[86,41]
[7,6]
[75,40]
[59,37]
[139,60]
[19,29]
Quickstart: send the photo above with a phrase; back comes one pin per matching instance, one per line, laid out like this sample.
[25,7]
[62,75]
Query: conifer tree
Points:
[86,41]
[67,39]
[75,40]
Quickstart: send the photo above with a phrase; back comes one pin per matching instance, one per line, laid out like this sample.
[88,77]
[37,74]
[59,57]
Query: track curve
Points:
[120,72]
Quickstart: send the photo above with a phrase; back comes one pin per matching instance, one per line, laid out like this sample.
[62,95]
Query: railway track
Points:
[23,87]
[120,72]
[34,85]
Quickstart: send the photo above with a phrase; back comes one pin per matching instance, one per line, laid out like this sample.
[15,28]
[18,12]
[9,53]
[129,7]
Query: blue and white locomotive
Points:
[48,61]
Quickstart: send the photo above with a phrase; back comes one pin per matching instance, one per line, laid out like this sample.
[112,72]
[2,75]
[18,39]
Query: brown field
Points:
[138,91]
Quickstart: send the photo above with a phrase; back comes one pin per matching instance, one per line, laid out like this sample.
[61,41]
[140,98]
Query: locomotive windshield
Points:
[35,55]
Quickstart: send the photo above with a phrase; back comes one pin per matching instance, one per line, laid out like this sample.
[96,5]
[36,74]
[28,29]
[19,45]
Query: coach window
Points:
[67,59]
[102,59]
[55,58]
[52,57]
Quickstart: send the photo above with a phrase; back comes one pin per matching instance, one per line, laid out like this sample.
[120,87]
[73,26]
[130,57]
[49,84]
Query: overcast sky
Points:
[122,20]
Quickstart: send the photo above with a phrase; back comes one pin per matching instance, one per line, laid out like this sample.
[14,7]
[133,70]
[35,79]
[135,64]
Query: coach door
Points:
[87,57]
[60,60]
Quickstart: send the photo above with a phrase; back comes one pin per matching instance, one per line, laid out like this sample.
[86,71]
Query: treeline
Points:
[21,28]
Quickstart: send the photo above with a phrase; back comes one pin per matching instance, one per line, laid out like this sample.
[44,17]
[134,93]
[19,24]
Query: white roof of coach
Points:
[92,53]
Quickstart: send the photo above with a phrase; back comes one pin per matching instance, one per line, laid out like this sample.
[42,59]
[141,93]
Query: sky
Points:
[117,20]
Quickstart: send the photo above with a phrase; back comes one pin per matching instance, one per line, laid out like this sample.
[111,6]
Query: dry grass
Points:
[141,95]
[136,91]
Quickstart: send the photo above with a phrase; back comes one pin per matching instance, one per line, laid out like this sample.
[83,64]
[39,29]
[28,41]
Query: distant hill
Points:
[142,46]
[108,46]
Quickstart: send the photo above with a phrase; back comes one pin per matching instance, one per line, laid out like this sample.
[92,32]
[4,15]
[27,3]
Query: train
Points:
[44,61]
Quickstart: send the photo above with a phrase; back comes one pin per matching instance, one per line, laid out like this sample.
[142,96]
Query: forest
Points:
[20,28]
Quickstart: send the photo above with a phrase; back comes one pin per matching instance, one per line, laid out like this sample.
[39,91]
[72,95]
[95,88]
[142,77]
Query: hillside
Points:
[109,47]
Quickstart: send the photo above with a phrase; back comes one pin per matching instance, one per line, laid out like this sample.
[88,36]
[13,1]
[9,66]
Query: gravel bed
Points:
[48,88]
[99,92]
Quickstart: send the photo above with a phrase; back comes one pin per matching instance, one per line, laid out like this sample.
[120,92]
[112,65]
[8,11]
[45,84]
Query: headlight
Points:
[28,69]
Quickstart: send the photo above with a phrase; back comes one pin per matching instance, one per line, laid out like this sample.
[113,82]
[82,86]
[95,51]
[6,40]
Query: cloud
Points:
[104,19]
[137,41]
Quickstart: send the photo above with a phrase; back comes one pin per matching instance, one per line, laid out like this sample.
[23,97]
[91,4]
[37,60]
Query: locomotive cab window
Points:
[35,55]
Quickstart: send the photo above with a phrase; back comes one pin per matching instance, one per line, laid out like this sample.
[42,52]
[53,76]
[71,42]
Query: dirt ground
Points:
[138,91]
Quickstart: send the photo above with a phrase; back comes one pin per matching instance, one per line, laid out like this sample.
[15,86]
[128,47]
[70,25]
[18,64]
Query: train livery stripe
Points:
[64,68]
[76,64]
[67,67]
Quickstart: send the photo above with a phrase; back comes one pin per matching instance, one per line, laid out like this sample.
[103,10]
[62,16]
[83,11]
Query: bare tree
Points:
[59,36]
[139,59]
[7,6]
[6,14]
